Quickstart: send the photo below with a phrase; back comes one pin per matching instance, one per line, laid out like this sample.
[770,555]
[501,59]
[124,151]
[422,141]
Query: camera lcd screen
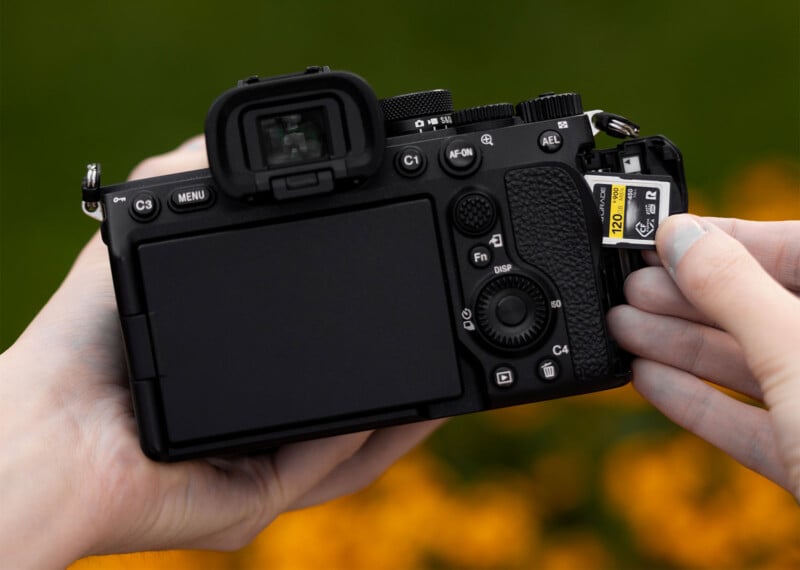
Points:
[284,324]
[296,137]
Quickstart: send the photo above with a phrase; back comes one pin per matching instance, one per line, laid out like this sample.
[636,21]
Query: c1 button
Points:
[410,161]
[144,206]
[460,157]
[548,370]
[550,141]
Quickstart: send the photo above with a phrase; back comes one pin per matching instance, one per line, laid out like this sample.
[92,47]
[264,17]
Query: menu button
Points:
[190,198]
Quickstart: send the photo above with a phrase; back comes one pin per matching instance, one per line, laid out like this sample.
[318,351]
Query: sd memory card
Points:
[630,208]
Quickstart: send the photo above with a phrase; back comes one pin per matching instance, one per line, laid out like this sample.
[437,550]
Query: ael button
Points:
[410,162]
[144,206]
[550,141]
[460,157]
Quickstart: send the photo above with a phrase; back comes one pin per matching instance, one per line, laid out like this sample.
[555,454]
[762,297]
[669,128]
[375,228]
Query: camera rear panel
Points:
[457,270]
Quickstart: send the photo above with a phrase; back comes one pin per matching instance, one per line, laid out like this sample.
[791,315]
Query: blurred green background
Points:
[116,82]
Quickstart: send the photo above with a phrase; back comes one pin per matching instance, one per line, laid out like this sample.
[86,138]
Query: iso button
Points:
[410,162]
[460,157]
[144,206]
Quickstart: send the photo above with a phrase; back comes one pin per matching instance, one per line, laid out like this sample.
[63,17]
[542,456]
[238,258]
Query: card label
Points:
[630,209]
[616,214]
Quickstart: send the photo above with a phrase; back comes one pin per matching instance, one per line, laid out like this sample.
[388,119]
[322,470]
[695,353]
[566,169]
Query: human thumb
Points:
[720,277]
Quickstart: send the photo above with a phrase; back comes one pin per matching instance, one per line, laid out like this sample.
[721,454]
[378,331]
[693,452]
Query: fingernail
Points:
[685,231]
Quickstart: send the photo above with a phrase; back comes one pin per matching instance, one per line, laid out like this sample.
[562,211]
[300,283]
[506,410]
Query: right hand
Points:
[723,307]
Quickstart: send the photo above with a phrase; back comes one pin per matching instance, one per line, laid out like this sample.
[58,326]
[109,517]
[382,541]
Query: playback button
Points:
[504,376]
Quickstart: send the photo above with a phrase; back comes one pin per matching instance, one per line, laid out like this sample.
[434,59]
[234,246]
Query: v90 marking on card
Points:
[630,209]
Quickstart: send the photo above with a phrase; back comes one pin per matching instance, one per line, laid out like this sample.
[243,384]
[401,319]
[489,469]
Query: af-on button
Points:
[460,157]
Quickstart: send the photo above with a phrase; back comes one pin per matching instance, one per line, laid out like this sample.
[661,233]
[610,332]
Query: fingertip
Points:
[197,142]
[639,286]
[616,316]
[621,320]
[651,380]
[676,236]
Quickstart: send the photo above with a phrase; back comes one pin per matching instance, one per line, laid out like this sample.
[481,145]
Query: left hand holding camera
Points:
[725,310]
[74,480]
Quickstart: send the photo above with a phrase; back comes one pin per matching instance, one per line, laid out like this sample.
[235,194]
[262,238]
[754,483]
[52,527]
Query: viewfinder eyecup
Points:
[294,135]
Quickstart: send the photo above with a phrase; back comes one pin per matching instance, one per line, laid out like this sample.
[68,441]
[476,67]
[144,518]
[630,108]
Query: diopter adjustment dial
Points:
[512,312]
[549,106]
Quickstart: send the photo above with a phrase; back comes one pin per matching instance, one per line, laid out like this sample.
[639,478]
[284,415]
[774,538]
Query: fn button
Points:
[480,256]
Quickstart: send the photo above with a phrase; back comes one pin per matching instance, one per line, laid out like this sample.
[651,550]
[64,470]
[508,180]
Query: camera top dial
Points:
[418,112]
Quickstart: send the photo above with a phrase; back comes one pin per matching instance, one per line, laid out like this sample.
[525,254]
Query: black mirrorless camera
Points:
[347,263]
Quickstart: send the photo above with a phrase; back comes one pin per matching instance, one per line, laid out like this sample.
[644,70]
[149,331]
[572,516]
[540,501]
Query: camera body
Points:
[346,264]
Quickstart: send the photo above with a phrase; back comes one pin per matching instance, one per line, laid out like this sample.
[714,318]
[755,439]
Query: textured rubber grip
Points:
[551,233]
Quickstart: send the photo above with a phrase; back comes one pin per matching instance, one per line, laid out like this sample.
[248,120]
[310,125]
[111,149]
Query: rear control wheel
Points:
[512,312]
